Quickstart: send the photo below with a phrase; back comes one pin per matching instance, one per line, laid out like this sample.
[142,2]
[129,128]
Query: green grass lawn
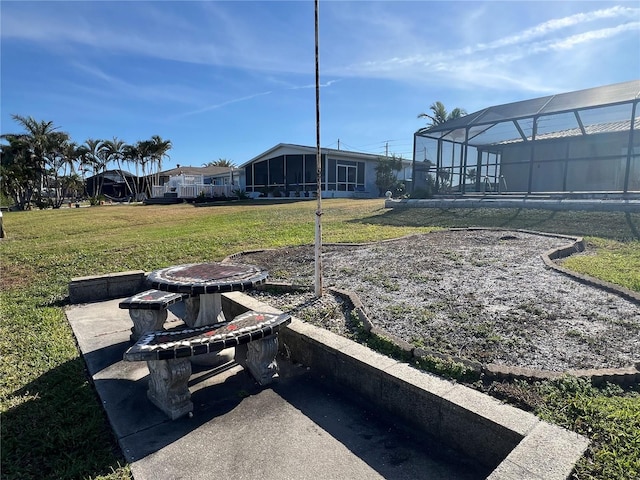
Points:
[52,423]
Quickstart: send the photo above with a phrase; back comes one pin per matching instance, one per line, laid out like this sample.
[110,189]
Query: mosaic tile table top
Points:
[187,342]
[205,278]
[151,300]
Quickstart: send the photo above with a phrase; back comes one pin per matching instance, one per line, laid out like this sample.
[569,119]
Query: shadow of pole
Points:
[512,218]
[632,226]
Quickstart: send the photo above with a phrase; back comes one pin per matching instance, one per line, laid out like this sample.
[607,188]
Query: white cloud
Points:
[363,39]
[251,97]
[503,62]
[573,40]
[107,85]
[313,85]
[553,25]
[216,106]
[206,33]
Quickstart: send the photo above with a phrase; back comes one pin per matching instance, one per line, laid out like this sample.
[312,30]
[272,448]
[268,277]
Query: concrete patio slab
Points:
[338,410]
[297,428]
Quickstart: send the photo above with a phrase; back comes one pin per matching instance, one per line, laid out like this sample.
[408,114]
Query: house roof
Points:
[611,127]
[188,170]
[573,104]
[114,175]
[303,149]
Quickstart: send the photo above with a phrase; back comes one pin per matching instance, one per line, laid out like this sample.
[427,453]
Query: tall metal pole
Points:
[318,239]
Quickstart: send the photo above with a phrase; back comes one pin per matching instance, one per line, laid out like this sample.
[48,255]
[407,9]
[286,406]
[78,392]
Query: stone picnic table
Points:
[169,353]
[204,282]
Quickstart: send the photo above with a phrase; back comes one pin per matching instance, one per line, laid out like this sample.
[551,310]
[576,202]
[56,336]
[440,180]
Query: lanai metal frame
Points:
[556,120]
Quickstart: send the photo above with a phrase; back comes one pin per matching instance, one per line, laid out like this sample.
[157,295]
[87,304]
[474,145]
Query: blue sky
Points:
[233,79]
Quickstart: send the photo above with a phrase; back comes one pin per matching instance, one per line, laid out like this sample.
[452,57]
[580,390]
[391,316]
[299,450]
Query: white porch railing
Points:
[193,191]
[191,186]
[159,190]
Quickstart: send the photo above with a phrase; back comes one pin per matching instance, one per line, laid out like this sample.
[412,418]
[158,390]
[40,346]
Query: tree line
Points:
[44,166]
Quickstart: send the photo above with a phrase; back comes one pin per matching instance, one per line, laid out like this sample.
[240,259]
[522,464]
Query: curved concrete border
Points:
[630,205]
[563,252]
[491,371]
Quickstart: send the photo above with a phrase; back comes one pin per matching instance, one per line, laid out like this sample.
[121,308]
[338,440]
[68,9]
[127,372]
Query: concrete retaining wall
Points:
[516,444]
[595,205]
[105,287]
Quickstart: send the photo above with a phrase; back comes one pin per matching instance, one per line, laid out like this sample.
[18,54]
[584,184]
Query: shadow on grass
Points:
[632,222]
[621,226]
[59,430]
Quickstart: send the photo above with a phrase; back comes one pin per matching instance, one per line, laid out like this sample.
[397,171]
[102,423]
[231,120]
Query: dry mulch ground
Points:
[479,294]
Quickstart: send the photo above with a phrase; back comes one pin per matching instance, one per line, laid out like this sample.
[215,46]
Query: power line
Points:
[384,147]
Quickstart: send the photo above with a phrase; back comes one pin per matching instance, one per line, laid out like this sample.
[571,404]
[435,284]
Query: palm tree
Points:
[132,155]
[144,149]
[38,135]
[440,115]
[19,170]
[159,149]
[82,158]
[62,162]
[71,152]
[115,151]
[41,139]
[49,148]
[95,161]
[72,185]
[221,162]
[471,174]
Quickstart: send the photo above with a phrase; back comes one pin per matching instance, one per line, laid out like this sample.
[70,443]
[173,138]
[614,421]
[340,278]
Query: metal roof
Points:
[608,95]
[612,127]
[211,170]
[113,175]
[303,149]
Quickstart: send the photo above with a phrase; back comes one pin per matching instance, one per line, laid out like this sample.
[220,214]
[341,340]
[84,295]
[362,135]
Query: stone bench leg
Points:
[192,308]
[259,357]
[168,386]
[145,321]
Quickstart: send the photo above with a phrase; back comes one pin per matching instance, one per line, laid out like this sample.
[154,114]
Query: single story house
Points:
[113,184]
[290,170]
[190,182]
[285,170]
[212,175]
[585,141]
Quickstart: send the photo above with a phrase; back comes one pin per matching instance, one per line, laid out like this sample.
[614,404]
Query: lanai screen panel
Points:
[576,141]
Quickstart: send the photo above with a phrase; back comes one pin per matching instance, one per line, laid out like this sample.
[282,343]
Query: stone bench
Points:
[148,310]
[167,353]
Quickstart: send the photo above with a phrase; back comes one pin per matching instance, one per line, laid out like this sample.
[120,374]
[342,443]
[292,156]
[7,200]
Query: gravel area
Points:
[478,294]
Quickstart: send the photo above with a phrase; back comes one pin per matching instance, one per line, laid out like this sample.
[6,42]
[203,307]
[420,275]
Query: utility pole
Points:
[318,231]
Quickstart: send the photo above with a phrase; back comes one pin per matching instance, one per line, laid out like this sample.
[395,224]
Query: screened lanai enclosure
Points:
[579,142]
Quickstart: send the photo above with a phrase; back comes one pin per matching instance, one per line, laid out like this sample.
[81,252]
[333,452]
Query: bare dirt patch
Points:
[477,294]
